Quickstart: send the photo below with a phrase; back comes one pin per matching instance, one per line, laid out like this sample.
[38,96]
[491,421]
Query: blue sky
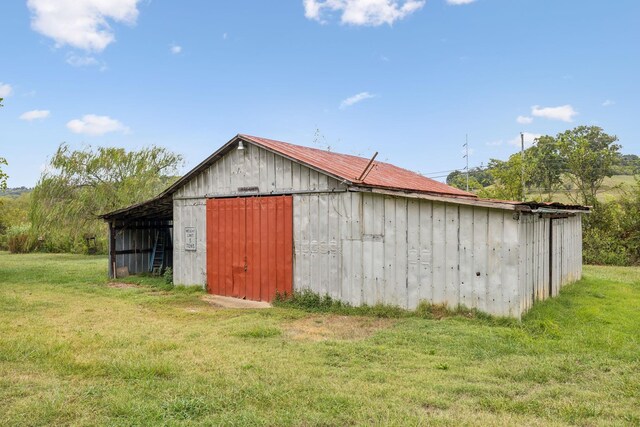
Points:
[406,78]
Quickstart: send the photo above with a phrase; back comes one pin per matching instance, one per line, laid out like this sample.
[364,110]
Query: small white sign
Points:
[190,241]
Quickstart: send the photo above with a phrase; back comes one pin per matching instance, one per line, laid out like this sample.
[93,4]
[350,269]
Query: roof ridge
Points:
[389,176]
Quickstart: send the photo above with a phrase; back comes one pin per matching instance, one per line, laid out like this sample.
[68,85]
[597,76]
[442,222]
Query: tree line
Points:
[61,213]
[571,167]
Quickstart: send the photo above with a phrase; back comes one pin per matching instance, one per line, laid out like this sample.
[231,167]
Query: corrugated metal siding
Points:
[255,167]
[249,247]
[368,248]
[566,256]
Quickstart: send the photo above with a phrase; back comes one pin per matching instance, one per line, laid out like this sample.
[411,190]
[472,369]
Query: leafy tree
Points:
[547,166]
[3,161]
[460,181]
[82,184]
[481,175]
[3,175]
[14,211]
[589,156]
[627,164]
[508,178]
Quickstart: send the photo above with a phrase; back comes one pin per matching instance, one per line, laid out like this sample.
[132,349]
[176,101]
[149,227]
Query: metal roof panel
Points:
[349,168]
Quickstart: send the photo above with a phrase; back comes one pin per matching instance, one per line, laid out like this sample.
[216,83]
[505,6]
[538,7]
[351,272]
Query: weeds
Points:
[310,301]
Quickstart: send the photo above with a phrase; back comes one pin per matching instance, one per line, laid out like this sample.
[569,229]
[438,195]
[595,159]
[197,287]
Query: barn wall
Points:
[255,167]
[366,248]
[565,260]
[251,167]
[190,267]
[534,260]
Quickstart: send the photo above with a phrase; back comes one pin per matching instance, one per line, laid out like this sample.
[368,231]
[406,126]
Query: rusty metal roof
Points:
[382,176]
[350,168]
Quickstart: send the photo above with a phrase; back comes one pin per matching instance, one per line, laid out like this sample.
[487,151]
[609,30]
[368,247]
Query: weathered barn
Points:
[261,216]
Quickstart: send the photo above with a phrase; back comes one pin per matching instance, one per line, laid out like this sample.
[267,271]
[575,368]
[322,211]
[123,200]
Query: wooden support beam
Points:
[112,249]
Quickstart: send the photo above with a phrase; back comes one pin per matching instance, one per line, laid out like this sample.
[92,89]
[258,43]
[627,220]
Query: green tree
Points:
[460,181]
[547,166]
[480,175]
[82,184]
[14,212]
[3,175]
[3,161]
[507,177]
[589,155]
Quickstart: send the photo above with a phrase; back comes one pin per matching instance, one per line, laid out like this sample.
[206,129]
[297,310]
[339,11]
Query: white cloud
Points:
[90,124]
[225,36]
[608,103]
[362,12]
[459,2]
[524,120]
[355,99]
[34,115]
[83,24]
[5,90]
[81,61]
[175,49]
[563,112]
[529,138]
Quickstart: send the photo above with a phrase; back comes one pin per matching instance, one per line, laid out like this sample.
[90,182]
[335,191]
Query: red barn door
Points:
[250,247]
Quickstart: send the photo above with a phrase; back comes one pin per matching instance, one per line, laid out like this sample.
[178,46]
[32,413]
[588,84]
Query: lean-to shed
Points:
[260,216]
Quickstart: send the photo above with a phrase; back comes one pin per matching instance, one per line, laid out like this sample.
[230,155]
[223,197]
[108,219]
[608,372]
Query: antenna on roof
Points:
[466,156]
[368,168]
[524,188]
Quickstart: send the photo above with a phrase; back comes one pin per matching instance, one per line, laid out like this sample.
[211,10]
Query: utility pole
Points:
[522,154]
[466,156]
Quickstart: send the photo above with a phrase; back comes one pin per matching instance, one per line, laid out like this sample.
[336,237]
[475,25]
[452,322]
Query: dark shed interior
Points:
[141,238]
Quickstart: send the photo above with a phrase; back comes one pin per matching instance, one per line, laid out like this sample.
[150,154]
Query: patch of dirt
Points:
[228,302]
[119,285]
[334,327]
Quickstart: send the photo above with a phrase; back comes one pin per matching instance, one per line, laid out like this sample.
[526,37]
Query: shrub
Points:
[168,276]
[308,300]
[20,239]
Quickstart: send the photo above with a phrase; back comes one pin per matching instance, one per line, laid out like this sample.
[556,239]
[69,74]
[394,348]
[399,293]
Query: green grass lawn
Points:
[75,351]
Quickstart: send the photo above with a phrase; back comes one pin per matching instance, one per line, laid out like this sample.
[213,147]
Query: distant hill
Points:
[15,192]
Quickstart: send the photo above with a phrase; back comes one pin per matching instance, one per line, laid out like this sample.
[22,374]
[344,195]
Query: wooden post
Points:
[112,248]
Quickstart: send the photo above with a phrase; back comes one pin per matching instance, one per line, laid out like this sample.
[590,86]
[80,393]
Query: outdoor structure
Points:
[260,217]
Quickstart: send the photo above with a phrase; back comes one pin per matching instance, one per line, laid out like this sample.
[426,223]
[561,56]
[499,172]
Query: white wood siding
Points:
[565,261]
[254,167]
[189,267]
[400,251]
